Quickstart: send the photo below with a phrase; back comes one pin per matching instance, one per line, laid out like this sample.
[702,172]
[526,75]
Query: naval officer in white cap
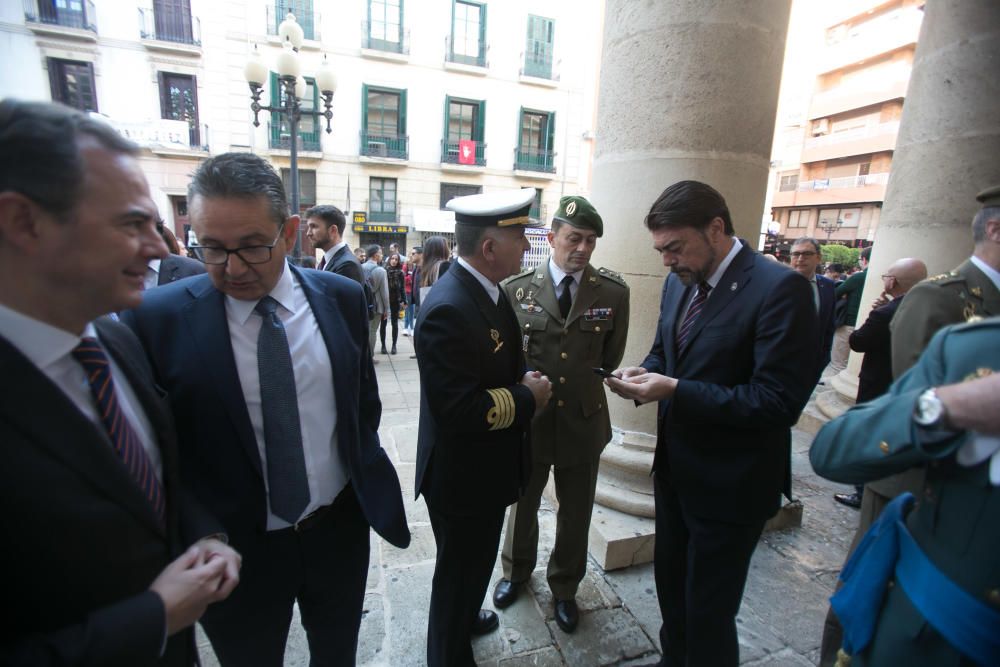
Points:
[476,406]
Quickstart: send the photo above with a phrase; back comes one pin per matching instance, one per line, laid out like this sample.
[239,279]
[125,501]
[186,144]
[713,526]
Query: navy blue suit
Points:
[723,443]
[175,267]
[827,319]
[184,329]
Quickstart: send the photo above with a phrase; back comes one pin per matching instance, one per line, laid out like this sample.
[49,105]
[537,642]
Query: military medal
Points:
[519,294]
[495,335]
[524,343]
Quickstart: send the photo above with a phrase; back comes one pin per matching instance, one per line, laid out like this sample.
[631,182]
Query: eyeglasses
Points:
[804,253]
[250,254]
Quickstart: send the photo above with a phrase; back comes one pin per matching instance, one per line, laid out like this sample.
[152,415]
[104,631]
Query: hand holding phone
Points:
[604,373]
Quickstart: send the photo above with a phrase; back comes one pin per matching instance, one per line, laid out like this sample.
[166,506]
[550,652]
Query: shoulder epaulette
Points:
[517,276]
[613,275]
[946,278]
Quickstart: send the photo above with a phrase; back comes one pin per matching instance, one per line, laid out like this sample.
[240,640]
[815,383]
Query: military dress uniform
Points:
[570,433]
[954,523]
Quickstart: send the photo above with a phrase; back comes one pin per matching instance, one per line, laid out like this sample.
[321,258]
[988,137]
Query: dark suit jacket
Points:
[744,376]
[827,320]
[184,330]
[82,542]
[875,340]
[175,267]
[345,263]
[472,448]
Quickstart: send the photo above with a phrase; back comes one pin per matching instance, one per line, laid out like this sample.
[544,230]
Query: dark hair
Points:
[40,145]
[372,250]
[330,215]
[810,240]
[399,260]
[240,175]
[866,253]
[836,267]
[435,252]
[689,204]
[468,238]
[979,221]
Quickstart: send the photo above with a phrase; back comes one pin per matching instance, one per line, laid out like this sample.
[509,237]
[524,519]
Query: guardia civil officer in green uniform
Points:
[923,586]
[573,318]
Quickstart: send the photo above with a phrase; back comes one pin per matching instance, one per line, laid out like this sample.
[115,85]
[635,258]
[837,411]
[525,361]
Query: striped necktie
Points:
[697,303]
[123,437]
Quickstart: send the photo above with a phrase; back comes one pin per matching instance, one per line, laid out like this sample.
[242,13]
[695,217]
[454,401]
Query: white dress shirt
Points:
[152,278]
[325,471]
[50,350]
[557,278]
[487,284]
[713,279]
[328,255]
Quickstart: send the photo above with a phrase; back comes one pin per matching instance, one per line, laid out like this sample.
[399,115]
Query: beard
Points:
[695,275]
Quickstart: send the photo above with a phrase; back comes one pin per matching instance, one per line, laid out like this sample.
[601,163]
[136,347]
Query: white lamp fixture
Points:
[290,30]
[325,78]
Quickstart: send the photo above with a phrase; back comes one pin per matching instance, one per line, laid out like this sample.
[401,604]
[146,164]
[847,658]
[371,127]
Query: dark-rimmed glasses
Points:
[250,254]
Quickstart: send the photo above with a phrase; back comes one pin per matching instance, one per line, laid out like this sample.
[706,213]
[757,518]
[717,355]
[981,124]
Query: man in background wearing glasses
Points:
[277,408]
[805,260]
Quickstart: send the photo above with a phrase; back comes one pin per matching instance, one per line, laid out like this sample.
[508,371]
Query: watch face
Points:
[929,408]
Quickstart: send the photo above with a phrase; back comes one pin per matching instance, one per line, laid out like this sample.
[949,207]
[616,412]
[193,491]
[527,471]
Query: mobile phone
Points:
[602,372]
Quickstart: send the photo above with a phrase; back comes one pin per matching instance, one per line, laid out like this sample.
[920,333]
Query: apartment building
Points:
[834,153]
[435,98]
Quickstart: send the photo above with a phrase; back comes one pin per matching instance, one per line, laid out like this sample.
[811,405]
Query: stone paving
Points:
[780,621]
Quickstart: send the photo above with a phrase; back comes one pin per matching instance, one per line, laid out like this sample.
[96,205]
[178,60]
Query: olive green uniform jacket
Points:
[575,426]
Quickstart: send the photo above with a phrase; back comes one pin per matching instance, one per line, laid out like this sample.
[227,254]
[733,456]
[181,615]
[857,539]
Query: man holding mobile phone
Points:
[572,317]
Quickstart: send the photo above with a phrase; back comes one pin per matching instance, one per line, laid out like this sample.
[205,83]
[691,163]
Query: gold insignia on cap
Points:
[884,446]
[520,220]
[519,294]
[495,335]
[977,292]
[501,415]
[969,312]
[571,209]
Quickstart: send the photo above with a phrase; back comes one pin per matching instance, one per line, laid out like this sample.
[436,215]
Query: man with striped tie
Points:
[94,519]
[732,366]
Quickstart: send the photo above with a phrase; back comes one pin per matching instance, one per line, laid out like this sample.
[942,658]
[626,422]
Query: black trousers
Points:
[393,316]
[700,566]
[324,567]
[466,553]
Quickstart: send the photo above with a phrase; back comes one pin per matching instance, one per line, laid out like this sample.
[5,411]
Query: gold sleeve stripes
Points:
[501,415]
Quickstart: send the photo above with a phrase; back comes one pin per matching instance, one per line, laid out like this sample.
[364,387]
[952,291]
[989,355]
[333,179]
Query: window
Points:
[385,25]
[382,199]
[468,33]
[798,218]
[848,217]
[536,206]
[383,114]
[789,182]
[307,187]
[68,13]
[279,128]
[538,51]
[179,101]
[451,190]
[303,11]
[172,21]
[534,141]
[463,131]
[72,83]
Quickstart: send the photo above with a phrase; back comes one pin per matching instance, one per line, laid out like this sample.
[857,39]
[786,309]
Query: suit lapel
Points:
[673,301]
[72,438]
[545,291]
[586,295]
[206,320]
[505,324]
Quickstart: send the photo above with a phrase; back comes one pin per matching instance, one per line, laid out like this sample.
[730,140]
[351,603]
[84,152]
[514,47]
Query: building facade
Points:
[435,98]
[833,147]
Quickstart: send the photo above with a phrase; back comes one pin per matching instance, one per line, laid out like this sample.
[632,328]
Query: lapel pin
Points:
[519,294]
[495,335]
[732,288]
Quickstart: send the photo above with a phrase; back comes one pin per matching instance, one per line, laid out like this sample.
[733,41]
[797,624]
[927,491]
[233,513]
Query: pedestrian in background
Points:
[397,296]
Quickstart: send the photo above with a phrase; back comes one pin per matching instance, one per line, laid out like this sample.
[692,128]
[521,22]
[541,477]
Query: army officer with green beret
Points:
[573,318]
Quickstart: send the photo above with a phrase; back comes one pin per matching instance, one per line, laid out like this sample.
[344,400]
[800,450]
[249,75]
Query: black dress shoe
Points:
[505,593]
[849,499]
[486,621]
[567,615]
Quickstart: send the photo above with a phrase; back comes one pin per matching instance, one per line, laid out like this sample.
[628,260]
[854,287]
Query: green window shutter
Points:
[402,113]
[275,117]
[550,134]
[447,108]
[480,129]
[482,35]
[520,132]
[364,108]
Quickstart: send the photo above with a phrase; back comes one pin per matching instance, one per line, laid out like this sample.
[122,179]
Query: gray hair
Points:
[240,175]
[984,215]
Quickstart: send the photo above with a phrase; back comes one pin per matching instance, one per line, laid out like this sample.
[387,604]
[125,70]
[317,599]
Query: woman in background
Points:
[397,297]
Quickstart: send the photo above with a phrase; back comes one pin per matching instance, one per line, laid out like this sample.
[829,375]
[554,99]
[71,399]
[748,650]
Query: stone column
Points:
[946,151]
[688,90]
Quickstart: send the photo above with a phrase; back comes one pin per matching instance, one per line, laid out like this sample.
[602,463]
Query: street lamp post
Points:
[830,227]
[293,88]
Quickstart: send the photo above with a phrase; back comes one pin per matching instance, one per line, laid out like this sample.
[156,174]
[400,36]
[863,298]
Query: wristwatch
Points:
[929,411]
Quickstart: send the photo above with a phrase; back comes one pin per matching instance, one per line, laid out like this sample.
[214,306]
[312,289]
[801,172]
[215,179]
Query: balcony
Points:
[280,139]
[822,191]
[849,45]
[534,160]
[537,69]
[170,31]
[45,17]
[396,147]
[375,47]
[166,137]
[845,98]
[460,62]
[309,22]
[450,155]
[858,141]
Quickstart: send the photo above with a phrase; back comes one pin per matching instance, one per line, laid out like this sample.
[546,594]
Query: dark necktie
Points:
[123,437]
[697,303]
[322,263]
[288,487]
[566,297]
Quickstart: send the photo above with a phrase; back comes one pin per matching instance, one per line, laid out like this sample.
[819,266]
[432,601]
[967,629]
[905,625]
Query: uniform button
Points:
[560,403]
[597,329]
[564,355]
[599,406]
[562,380]
[994,596]
[527,325]
[884,446]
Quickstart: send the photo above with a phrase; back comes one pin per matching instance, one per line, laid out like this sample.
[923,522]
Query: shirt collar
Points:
[558,274]
[328,255]
[154,264]
[990,272]
[487,284]
[714,279]
[43,344]
[282,293]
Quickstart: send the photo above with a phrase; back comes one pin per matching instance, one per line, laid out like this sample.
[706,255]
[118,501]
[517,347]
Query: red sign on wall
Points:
[466,151]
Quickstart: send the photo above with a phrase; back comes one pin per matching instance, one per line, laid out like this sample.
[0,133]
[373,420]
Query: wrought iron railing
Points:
[534,160]
[478,60]
[309,21]
[40,11]
[539,66]
[381,145]
[376,43]
[279,138]
[451,154]
[169,26]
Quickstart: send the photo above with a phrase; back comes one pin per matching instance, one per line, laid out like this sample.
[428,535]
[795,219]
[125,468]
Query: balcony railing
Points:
[532,159]
[843,182]
[164,133]
[463,59]
[169,26]
[865,132]
[450,154]
[280,139]
[539,66]
[370,41]
[380,145]
[40,11]
[309,21]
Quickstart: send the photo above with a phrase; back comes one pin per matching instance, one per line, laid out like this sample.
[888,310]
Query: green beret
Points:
[990,196]
[579,212]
